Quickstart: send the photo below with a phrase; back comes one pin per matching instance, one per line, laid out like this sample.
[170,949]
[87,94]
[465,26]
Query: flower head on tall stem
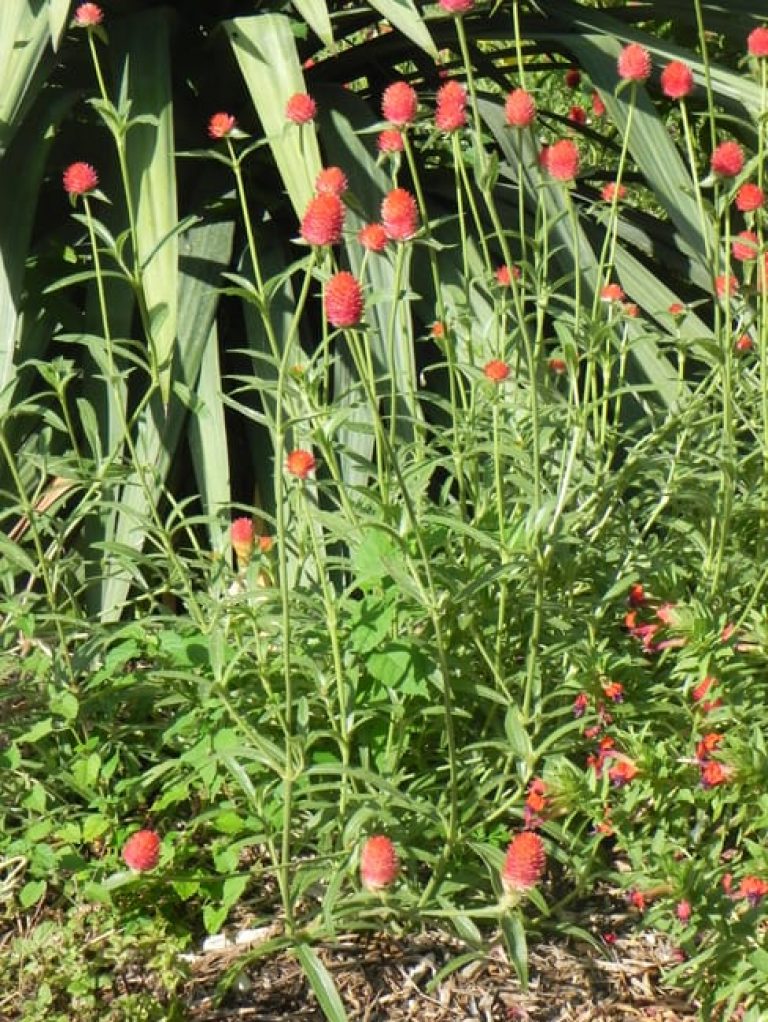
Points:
[757,41]
[561,160]
[399,214]
[749,197]
[379,864]
[572,78]
[451,107]
[242,534]
[744,246]
[220,125]
[300,108]
[331,180]
[399,103]
[496,371]
[373,237]
[88,15]
[343,300]
[677,80]
[457,6]
[598,106]
[506,274]
[300,463]
[634,63]
[611,189]
[80,179]
[524,862]
[519,108]
[323,220]
[728,159]
[390,141]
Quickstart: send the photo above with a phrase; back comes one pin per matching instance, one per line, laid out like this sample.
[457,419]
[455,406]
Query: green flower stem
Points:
[691,151]
[391,353]
[762,274]
[480,153]
[707,72]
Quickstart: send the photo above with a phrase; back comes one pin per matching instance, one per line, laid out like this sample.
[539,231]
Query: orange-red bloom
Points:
[220,125]
[242,534]
[300,463]
[676,80]
[714,773]
[451,108]
[726,287]
[324,220]
[505,274]
[373,237]
[379,864]
[343,299]
[744,246]
[331,180]
[141,852]
[520,108]
[496,371]
[561,160]
[524,863]
[79,179]
[598,106]
[399,215]
[610,189]
[749,197]
[399,103]
[612,293]
[390,141]
[728,159]
[622,769]
[87,15]
[753,889]
[634,63]
[300,108]
[757,42]
[577,115]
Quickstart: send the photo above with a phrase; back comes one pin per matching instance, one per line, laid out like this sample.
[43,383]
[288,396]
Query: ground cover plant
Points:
[384,463]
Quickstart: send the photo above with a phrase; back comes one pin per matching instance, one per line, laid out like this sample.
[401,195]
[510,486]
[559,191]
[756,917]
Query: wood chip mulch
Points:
[384,979]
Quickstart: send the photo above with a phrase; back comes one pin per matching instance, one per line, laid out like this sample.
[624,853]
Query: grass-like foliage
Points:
[384,475]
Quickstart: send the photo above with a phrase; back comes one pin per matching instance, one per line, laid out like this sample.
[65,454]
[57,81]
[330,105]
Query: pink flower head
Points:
[300,108]
[676,309]
[683,911]
[332,180]
[714,773]
[504,274]
[88,15]
[557,366]
[728,159]
[399,214]
[399,103]
[496,371]
[726,287]
[80,179]
[373,237]
[524,862]
[744,246]
[572,78]
[141,852]
[749,197]
[743,344]
[343,300]
[753,889]
[451,108]
[677,80]
[612,293]
[300,463]
[378,863]
[457,6]
[390,141]
[707,745]
[634,63]
[562,160]
[220,125]
[520,108]
[577,115]
[598,106]
[757,41]
[242,534]
[323,221]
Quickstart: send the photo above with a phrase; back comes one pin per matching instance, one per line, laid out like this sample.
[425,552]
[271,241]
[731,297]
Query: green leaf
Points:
[404,16]
[315,13]
[58,15]
[322,984]
[32,892]
[513,932]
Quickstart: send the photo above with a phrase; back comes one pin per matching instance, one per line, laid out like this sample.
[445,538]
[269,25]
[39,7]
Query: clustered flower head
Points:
[300,463]
[332,180]
[612,293]
[399,214]
[390,141]
[728,159]
[373,237]
[677,80]
[505,274]
[220,125]
[561,160]
[451,108]
[757,42]
[744,246]
[399,103]
[496,371]
[300,108]
[524,862]
[457,6]
[343,300]
[87,15]
[379,864]
[634,63]
[141,852]
[242,534]
[323,220]
[726,286]
[749,198]
[536,803]
[520,108]
[80,179]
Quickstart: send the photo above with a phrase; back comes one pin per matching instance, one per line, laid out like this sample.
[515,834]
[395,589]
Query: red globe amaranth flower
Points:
[683,911]
[757,41]
[496,371]
[598,106]
[378,863]
[677,80]
[504,274]
[562,160]
[141,851]
[300,463]
[753,889]
[220,125]
[451,108]
[634,63]
[714,774]
[266,543]
[399,103]
[300,108]
[612,293]
[373,237]
[726,287]
[743,345]
[727,160]
[630,309]
[744,246]
[557,366]
[242,534]
[324,220]
[390,141]
[749,198]
[331,181]
[520,108]
[524,862]
[343,299]
[80,179]
[399,214]
[676,309]
[87,15]
[457,6]
[572,78]
[577,115]
[636,899]
[437,330]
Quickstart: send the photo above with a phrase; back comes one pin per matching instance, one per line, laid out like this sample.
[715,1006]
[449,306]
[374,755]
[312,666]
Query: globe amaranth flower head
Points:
[141,852]
[744,246]
[457,6]
[677,80]
[727,160]
[300,108]
[80,179]
[524,862]
[390,140]
[561,160]
[373,237]
[749,197]
[242,534]
[300,463]
[220,125]
[323,221]
[519,108]
[379,864]
[572,78]
[757,42]
[634,63]
[399,214]
[496,371]
[451,108]
[399,103]
[343,300]
[611,189]
[332,180]
[88,15]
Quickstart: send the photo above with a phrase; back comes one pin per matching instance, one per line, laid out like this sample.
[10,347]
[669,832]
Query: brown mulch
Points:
[385,979]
